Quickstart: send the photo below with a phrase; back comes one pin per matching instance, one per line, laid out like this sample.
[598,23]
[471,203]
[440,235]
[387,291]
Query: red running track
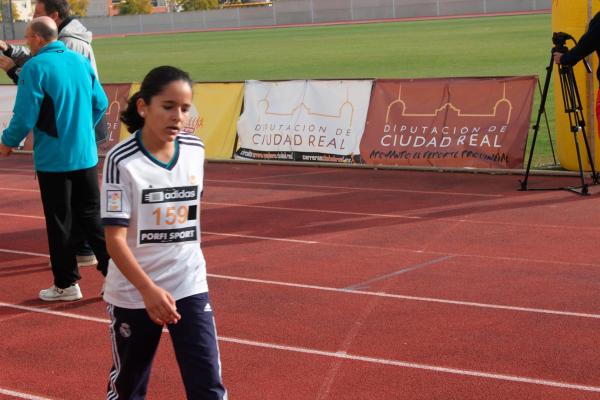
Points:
[336,283]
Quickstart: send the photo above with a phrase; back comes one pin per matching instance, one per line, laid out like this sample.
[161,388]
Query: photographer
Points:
[589,42]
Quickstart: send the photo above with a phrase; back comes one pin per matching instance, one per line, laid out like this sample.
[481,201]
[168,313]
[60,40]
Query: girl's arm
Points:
[160,305]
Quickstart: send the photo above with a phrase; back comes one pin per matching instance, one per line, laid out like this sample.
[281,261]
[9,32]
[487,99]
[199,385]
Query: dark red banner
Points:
[117,101]
[449,122]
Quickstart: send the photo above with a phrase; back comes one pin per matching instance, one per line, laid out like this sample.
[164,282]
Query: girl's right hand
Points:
[160,306]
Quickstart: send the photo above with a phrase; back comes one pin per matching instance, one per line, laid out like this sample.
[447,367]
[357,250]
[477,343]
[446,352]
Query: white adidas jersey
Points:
[160,206]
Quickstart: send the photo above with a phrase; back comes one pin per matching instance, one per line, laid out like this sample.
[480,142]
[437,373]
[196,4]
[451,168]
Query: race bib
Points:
[168,215]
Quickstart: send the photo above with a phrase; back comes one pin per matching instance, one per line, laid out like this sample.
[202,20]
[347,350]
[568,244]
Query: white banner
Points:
[8,93]
[303,120]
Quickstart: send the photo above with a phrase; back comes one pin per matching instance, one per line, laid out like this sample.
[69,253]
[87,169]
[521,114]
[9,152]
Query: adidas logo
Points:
[207,308]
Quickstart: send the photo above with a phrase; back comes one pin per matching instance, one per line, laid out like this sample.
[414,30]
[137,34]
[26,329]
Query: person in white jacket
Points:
[71,32]
[78,38]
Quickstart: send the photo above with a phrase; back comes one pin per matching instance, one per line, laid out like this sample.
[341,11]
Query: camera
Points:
[559,39]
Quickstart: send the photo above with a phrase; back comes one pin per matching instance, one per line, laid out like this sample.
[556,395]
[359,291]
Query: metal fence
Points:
[293,12]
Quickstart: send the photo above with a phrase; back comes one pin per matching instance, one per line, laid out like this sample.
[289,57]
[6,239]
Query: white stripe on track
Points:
[404,364]
[260,237]
[403,216]
[412,298]
[21,395]
[21,216]
[20,190]
[380,294]
[18,170]
[313,210]
[357,188]
[27,253]
[361,189]
[350,357]
[322,172]
[363,214]
[440,253]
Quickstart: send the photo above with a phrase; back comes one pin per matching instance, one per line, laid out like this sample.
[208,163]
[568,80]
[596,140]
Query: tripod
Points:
[572,106]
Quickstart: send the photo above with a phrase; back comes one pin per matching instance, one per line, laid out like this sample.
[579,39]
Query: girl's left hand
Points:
[160,306]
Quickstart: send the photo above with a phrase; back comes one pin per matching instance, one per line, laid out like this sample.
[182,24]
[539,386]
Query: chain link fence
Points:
[295,12]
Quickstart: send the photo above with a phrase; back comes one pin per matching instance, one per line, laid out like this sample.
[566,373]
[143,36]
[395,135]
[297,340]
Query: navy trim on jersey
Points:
[170,165]
[116,172]
[129,147]
[115,222]
[190,140]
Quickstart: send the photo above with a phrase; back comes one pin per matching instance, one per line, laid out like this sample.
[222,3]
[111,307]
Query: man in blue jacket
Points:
[60,98]
[79,39]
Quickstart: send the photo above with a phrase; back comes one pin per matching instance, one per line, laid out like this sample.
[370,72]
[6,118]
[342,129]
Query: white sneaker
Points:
[68,294]
[86,261]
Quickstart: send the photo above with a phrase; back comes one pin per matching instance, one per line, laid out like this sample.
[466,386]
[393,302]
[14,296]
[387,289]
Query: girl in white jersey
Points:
[151,189]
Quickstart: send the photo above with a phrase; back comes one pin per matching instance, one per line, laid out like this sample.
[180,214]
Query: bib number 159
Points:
[171,215]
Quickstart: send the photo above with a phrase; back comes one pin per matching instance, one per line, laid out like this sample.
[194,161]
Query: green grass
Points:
[517,45]
[488,46]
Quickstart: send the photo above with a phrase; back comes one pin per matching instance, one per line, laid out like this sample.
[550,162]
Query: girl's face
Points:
[168,110]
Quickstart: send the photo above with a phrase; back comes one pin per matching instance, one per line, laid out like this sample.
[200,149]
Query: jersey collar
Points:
[169,166]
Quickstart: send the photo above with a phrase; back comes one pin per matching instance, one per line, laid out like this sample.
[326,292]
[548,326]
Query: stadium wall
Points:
[297,12]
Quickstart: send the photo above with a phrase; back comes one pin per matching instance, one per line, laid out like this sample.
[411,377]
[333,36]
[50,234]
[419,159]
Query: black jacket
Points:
[590,41]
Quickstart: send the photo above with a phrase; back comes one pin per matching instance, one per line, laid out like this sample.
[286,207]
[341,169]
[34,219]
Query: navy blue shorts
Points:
[135,340]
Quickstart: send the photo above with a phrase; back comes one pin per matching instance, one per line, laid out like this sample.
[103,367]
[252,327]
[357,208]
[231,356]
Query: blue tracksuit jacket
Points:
[61,99]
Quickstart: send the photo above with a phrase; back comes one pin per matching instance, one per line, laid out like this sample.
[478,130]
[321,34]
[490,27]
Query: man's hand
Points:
[5,150]
[557,57]
[6,63]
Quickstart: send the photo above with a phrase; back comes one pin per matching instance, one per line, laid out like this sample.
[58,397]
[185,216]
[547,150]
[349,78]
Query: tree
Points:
[79,7]
[135,7]
[15,13]
[193,5]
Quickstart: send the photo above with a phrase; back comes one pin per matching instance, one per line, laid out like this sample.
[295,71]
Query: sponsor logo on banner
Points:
[303,120]
[193,122]
[450,122]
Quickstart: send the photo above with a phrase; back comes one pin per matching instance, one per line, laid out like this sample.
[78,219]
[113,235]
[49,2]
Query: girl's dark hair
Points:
[153,84]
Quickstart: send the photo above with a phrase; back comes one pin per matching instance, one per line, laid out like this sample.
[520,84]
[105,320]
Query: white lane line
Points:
[455,371]
[358,246]
[357,188]
[346,356]
[49,311]
[20,190]
[21,395]
[360,214]
[401,216]
[21,216]
[466,255]
[17,170]
[27,253]
[411,298]
[288,176]
[367,283]
[260,237]
[380,294]
[363,214]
